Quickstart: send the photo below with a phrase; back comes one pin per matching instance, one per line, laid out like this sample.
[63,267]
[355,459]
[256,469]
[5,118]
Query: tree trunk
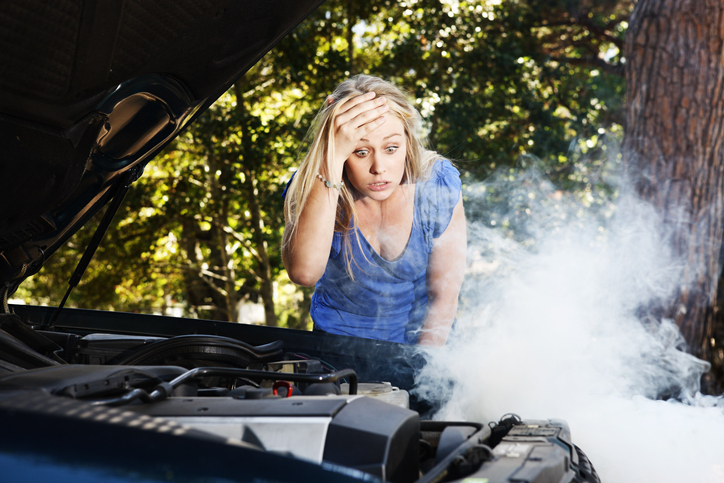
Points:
[351,22]
[203,298]
[263,271]
[219,243]
[226,271]
[674,142]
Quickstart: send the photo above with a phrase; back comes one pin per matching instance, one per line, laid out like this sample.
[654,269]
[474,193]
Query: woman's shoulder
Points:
[442,174]
[438,195]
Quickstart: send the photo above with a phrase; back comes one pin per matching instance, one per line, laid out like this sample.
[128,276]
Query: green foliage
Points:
[501,83]
[494,84]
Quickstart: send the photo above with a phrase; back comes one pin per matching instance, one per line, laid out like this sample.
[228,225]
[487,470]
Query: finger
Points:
[369,115]
[368,127]
[362,112]
[330,100]
[352,102]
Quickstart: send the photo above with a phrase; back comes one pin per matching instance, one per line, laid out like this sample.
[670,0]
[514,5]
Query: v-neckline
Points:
[409,236]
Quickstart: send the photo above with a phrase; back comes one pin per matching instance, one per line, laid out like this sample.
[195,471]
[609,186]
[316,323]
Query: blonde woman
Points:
[375,221]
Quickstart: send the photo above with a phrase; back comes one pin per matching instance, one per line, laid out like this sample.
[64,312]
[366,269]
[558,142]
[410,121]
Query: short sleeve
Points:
[439,195]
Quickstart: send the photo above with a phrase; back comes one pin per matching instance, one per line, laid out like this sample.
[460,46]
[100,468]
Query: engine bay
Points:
[268,400]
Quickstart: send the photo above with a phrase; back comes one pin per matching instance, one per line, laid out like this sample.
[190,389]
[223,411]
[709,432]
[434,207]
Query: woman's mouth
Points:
[379,186]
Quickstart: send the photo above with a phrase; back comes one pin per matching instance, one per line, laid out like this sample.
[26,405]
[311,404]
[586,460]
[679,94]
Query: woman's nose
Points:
[377,167]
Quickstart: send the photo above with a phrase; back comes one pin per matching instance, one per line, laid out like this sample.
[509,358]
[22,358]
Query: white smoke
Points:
[553,324]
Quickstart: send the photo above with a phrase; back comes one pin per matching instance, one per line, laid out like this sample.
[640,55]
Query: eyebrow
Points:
[384,138]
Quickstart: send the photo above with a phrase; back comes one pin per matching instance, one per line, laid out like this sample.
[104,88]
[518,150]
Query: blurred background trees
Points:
[501,83]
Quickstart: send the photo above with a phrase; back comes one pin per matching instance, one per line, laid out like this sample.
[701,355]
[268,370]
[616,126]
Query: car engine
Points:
[269,401]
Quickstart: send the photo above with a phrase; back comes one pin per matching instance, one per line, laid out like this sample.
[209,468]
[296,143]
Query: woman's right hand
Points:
[357,116]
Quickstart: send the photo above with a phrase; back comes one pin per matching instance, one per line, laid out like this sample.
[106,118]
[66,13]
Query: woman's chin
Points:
[381,194]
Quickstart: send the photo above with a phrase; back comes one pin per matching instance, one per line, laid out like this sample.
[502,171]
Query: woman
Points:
[375,221]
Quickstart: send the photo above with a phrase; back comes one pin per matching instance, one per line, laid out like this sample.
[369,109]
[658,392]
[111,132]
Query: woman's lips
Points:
[379,186]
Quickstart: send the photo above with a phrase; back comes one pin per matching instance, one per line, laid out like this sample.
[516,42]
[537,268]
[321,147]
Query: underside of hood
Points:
[91,90]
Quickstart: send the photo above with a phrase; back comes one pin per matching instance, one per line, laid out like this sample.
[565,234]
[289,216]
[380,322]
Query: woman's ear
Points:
[330,100]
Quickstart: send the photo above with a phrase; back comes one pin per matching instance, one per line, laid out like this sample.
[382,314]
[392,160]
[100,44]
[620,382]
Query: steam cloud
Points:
[553,324]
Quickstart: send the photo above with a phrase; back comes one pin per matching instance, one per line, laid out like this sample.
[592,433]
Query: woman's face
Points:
[377,165]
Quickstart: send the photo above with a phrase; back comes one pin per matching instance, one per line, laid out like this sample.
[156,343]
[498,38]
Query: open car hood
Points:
[91,90]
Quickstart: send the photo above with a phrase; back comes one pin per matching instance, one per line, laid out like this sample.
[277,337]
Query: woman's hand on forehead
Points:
[357,116]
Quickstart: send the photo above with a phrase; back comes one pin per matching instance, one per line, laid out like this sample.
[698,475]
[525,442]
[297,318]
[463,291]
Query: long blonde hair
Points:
[320,139]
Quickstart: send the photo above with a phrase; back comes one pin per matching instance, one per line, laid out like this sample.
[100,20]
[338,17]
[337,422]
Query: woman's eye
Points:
[361,153]
[391,149]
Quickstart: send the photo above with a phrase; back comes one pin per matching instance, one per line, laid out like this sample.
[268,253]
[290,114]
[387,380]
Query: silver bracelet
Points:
[329,184]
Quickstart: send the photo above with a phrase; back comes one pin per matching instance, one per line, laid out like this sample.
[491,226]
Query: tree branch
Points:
[238,237]
[616,69]
[601,33]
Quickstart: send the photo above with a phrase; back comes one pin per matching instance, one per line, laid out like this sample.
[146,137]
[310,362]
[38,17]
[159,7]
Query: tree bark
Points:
[674,143]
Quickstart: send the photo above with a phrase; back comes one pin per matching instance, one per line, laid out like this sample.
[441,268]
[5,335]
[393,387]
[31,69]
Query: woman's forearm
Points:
[305,253]
[439,318]
[445,273]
